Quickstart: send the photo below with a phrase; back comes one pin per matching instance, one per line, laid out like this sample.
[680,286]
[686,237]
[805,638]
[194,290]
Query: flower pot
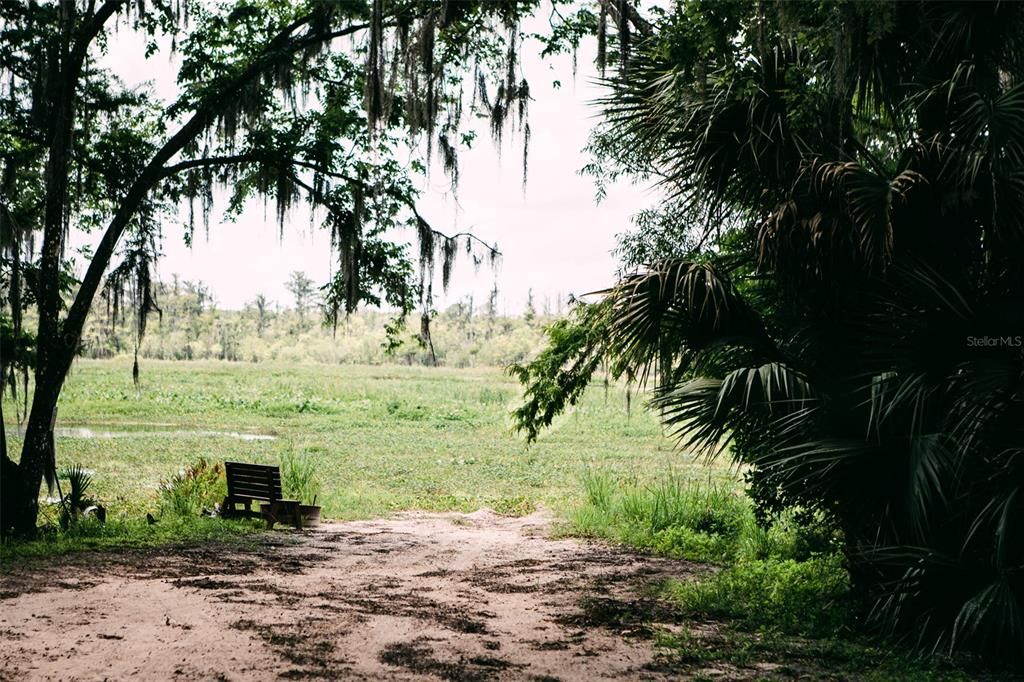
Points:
[310,515]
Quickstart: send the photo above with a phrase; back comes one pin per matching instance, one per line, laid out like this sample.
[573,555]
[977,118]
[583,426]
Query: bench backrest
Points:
[254,481]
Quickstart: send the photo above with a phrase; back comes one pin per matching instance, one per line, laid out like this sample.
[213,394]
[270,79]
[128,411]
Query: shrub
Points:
[74,501]
[199,485]
[810,598]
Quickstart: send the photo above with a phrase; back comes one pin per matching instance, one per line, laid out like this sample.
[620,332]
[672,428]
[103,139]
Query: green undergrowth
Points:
[182,504]
[785,596]
[126,533]
[688,517]
[775,656]
[776,598]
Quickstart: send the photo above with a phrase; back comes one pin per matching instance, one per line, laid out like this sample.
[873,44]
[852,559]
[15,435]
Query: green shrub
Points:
[199,485]
[695,545]
[789,534]
[74,501]
[809,598]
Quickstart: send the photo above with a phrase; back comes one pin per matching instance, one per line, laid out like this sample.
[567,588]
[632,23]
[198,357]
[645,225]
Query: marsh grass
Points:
[383,438]
[677,515]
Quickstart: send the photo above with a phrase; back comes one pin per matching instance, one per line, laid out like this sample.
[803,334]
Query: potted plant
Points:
[310,514]
[300,482]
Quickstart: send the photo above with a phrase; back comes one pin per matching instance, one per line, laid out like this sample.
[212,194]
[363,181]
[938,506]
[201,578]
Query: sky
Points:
[554,238]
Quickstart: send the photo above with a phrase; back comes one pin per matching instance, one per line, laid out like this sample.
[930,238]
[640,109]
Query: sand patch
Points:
[420,596]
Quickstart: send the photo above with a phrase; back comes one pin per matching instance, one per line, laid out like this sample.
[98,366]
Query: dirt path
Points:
[455,597]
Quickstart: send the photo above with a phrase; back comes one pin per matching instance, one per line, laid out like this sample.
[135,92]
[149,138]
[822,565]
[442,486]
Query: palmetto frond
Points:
[730,141]
[702,412]
[677,309]
[867,197]
[994,610]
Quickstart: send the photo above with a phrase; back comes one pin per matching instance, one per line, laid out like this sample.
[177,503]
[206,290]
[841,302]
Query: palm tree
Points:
[858,340]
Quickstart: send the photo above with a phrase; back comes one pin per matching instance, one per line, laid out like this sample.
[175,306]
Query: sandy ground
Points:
[454,597]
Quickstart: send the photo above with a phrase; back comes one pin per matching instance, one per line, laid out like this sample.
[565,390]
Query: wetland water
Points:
[98,433]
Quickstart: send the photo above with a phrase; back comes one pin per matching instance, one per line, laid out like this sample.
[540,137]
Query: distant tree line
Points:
[191,326]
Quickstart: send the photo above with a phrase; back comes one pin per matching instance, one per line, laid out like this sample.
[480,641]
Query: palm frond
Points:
[681,306]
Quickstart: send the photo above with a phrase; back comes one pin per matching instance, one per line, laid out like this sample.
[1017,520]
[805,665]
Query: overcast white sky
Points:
[554,239]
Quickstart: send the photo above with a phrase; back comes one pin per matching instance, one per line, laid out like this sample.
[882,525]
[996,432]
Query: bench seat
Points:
[259,483]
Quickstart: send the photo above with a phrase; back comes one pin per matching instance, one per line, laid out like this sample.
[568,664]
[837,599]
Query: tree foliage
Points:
[858,336]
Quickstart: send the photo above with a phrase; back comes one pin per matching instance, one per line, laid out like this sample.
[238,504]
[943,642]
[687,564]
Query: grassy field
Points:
[383,438]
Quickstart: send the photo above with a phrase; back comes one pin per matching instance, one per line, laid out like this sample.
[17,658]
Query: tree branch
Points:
[643,27]
[93,27]
[492,249]
[284,164]
[190,164]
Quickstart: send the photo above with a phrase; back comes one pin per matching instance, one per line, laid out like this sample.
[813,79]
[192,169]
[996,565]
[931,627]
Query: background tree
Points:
[270,106]
[261,305]
[301,288]
[530,312]
[836,290]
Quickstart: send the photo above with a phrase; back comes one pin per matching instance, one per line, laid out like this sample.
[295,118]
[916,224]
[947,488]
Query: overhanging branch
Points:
[642,26]
[287,164]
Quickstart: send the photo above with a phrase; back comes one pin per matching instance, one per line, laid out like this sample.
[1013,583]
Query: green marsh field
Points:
[382,438]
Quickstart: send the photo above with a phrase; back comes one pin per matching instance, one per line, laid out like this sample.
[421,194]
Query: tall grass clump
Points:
[677,516]
[299,478]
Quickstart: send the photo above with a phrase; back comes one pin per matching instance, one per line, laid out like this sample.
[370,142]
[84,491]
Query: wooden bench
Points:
[259,483]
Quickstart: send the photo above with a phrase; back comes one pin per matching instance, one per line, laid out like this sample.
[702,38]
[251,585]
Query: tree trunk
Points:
[22,509]
[12,509]
[8,475]
[21,494]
